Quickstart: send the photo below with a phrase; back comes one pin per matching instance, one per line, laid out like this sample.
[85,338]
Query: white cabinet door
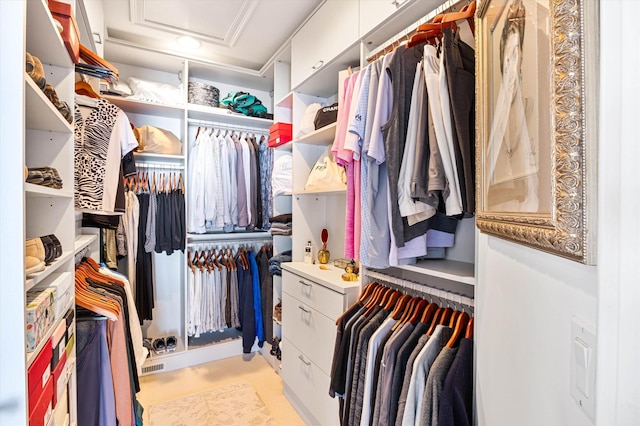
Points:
[331,30]
[374,12]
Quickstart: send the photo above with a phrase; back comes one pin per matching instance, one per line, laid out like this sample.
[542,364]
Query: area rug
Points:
[233,404]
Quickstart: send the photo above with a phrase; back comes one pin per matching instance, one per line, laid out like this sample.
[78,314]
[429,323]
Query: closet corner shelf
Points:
[322,136]
[451,270]
[83,241]
[328,192]
[33,190]
[225,116]
[43,39]
[31,356]
[285,147]
[286,101]
[33,279]
[40,112]
[158,158]
[136,106]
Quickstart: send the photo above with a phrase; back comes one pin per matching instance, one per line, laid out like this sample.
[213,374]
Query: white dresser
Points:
[312,300]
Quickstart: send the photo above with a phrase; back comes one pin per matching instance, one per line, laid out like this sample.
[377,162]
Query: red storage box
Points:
[279,133]
[42,411]
[59,376]
[70,34]
[39,373]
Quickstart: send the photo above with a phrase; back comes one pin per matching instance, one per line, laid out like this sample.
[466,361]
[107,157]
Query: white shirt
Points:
[246,161]
[441,113]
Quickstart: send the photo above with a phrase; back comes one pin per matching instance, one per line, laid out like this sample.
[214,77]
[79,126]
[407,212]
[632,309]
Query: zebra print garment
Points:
[91,143]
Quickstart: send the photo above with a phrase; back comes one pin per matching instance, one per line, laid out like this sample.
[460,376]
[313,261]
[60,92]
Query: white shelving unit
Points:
[37,135]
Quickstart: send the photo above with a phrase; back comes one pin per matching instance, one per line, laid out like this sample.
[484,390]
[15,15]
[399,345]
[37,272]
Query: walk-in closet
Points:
[319,212]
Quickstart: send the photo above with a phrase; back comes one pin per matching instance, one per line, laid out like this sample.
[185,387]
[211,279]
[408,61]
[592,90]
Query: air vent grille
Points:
[152,368]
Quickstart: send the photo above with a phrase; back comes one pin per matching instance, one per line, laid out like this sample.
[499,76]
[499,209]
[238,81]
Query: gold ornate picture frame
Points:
[533,79]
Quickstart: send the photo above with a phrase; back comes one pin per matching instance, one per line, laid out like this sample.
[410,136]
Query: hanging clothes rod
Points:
[419,289]
[201,245]
[228,126]
[411,29]
[161,166]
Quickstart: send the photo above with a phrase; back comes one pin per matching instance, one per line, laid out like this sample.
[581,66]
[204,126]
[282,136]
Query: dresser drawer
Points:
[309,384]
[314,295]
[313,333]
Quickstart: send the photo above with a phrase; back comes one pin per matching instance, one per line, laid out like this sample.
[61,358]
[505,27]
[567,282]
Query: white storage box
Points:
[62,285]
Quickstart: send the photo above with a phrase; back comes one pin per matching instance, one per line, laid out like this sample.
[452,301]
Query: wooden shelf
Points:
[225,116]
[135,106]
[32,190]
[40,112]
[83,241]
[34,279]
[43,38]
[322,136]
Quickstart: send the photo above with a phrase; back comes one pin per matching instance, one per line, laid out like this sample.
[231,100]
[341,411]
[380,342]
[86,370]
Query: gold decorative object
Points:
[535,124]
[324,254]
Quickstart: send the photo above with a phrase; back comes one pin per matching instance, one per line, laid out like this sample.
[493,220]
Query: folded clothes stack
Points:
[275,261]
[45,176]
[281,224]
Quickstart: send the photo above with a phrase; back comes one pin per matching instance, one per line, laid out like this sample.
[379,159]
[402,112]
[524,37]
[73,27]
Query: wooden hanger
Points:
[392,300]
[190,262]
[367,290]
[435,321]
[428,313]
[418,311]
[83,88]
[454,318]
[181,183]
[400,306]
[467,12]
[407,312]
[460,325]
[446,314]
[469,332]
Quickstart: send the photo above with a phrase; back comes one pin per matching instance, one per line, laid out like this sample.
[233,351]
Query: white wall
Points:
[525,298]
[524,303]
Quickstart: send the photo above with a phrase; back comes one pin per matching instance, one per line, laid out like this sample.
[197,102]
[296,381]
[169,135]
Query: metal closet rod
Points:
[201,245]
[411,29]
[418,289]
[160,166]
[226,126]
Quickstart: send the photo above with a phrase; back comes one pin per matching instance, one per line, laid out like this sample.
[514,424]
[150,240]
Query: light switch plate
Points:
[583,365]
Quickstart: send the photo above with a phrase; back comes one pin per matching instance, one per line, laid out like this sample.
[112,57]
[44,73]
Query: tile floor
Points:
[253,367]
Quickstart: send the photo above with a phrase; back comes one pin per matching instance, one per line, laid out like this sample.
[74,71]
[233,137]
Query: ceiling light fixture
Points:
[188,42]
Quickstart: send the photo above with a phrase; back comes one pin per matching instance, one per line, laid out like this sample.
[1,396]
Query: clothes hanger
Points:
[428,313]
[392,300]
[435,321]
[408,311]
[454,318]
[460,325]
[418,311]
[469,331]
[446,314]
[400,306]
[467,12]
[83,88]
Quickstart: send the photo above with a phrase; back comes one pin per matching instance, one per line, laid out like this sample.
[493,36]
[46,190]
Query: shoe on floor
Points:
[159,346]
[171,343]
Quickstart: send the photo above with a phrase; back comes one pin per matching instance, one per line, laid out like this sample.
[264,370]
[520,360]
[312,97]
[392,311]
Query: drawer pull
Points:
[317,65]
[303,309]
[304,283]
[302,358]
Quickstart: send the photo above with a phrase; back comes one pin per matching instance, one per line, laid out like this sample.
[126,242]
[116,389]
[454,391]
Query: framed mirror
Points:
[533,125]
